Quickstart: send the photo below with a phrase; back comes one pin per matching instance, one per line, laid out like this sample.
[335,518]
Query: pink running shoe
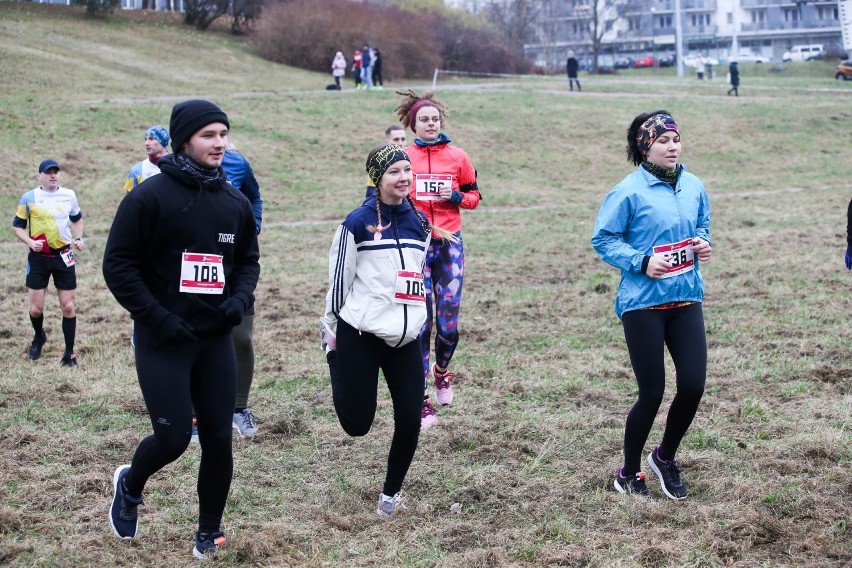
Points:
[443,388]
[428,416]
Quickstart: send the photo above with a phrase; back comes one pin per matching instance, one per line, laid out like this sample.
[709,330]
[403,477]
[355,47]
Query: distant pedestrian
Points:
[50,223]
[708,69]
[338,68]
[572,66]
[367,66]
[655,227]
[377,69]
[848,258]
[734,78]
[356,68]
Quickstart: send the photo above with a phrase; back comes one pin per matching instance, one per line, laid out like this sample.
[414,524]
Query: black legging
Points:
[174,379]
[244,350]
[354,384]
[682,331]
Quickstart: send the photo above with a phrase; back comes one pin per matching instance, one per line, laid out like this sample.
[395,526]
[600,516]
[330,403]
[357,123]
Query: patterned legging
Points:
[443,277]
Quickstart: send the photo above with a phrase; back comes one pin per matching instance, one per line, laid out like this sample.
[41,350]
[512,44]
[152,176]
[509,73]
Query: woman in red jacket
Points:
[444,183]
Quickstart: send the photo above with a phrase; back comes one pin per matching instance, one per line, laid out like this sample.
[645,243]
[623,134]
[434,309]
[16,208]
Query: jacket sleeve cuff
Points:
[645,262]
[456,198]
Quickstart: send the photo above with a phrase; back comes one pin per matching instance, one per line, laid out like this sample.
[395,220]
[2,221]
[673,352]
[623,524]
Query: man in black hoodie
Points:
[182,258]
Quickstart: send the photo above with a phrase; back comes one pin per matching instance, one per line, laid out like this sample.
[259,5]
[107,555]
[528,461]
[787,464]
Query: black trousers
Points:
[647,332]
[175,379]
[354,370]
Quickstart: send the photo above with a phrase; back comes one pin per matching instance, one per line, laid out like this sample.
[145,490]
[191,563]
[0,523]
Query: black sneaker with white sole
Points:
[34,352]
[669,475]
[208,545]
[634,485]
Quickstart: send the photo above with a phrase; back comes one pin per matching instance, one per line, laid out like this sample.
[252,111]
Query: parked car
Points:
[667,60]
[803,52]
[623,63]
[749,58]
[844,71]
[646,61]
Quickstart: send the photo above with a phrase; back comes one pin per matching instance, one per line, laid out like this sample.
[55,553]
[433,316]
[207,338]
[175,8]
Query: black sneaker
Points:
[632,486]
[206,547]
[669,476]
[68,360]
[34,352]
[123,515]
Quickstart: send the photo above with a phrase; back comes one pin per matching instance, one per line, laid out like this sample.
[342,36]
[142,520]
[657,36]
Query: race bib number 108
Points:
[202,273]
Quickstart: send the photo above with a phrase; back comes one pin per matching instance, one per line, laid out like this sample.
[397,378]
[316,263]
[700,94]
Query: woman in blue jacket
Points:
[655,227]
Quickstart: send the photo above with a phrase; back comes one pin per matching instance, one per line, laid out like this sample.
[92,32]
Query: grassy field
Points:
[534,438]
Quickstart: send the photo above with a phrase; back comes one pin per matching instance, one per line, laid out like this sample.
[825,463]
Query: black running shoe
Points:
[123,515]
[669,475]
[207,546]
[34,352]
[633,485]
[69,360]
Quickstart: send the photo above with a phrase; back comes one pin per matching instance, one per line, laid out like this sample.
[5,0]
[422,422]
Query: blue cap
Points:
[159,133]
[47,165]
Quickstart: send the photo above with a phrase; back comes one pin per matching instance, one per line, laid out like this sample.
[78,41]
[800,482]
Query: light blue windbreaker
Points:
[642,212]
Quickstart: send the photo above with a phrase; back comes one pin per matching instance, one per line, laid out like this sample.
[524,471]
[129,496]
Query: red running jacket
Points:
[442,160]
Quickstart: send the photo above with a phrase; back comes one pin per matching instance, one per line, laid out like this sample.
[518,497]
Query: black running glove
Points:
[175,330]
[233,309]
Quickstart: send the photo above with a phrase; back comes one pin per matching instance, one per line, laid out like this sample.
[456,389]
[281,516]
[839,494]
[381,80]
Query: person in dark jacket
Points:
[378,81]
[239,173]
[848,258]
[572,66]
[734,72]
[182,258]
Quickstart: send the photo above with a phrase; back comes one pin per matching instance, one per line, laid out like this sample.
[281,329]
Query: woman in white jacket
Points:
[338,68]
[375,308]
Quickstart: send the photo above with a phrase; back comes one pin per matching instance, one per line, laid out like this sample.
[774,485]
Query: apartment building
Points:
[717,28]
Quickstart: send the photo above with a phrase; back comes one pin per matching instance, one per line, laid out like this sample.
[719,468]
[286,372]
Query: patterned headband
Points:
[378,162]
[652,128]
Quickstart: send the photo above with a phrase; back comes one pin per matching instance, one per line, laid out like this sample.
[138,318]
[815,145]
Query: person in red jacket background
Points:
[444,184]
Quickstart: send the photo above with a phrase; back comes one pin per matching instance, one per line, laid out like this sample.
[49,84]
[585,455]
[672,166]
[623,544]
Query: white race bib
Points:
[427,187]
[409,288]
[202,273]
[679,254]
[68,257]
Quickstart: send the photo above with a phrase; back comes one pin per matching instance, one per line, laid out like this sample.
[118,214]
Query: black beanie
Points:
[189,117]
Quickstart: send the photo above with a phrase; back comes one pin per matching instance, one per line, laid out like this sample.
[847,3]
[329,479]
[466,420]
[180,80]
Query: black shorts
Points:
[41,267]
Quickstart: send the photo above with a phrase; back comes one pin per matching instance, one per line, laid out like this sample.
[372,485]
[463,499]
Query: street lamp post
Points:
[654,35]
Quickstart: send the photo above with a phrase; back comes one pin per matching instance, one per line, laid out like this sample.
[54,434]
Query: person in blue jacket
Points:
[240,175]
[655,227]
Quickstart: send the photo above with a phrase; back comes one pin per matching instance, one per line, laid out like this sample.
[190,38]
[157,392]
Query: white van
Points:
[803,52]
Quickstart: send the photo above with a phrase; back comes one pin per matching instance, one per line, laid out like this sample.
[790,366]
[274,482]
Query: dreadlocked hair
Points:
[410,98]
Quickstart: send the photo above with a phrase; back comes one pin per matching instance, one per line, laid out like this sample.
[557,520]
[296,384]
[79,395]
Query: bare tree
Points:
[602,15]
[202,13]
[514,18]
[245,14]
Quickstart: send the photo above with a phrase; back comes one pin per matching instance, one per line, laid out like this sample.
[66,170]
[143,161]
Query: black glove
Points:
[174,329]
[233,309]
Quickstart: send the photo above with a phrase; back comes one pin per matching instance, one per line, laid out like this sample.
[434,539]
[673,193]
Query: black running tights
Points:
[354,370]
[646,331]
[174,379]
